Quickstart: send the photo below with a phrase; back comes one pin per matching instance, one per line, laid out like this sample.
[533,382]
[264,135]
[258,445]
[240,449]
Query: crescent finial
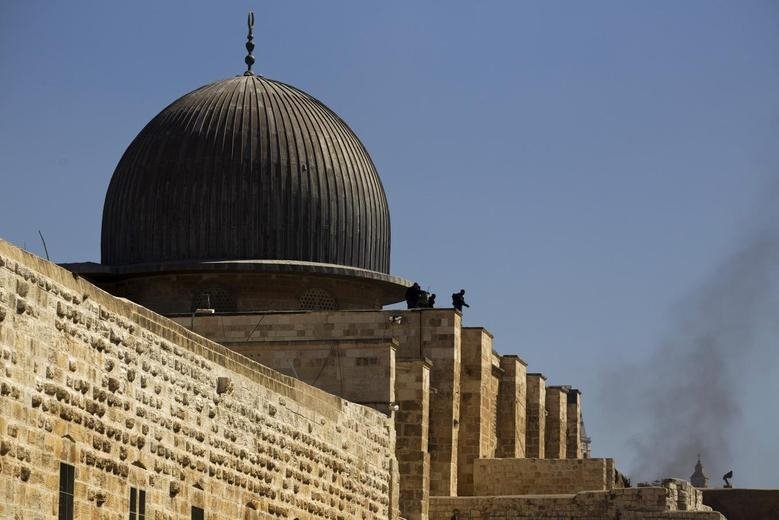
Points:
[249,60]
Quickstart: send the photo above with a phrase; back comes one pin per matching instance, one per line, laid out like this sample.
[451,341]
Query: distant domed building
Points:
[246,194]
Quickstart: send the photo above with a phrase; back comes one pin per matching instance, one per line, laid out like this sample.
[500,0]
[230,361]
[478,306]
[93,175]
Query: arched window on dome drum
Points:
[213,297]
[316,299]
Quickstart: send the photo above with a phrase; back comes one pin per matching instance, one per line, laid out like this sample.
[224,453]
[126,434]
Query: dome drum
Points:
[251,290]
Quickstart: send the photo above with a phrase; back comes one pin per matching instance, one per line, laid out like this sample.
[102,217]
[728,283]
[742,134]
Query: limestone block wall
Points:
[442,346]
[573,443]
[541,476]
[479,389]
[535,426]
[671,501]
[511,414]
[430,333]
[361,371]
[412,386]
[414,330]
[743,504]
[489,441]
[130,398]
[556,422]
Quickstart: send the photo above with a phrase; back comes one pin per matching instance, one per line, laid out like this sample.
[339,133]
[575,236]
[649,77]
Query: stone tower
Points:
[699,478]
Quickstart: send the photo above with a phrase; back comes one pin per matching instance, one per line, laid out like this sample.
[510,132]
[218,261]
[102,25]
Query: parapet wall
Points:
[675,500]
[541,476]
[130,398]
[744,504]
[360,371]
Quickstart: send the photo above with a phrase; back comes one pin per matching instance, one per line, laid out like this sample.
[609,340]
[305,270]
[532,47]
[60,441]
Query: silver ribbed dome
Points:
[246,169]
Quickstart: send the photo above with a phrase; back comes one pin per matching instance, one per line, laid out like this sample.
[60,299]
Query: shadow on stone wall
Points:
[744,504]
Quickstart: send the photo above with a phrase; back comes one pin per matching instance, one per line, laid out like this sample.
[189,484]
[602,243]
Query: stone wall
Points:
[489,441]
[414,330]
[744,504]
[573,444]
[511,415]
[541,476]
[675,500]
[412,386]
[535,427]
[420,333]
[556,422]
[441,343]
[360,370]
[131,398]
[479,389]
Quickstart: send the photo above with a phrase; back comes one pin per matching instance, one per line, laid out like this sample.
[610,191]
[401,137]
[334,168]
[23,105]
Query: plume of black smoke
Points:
[684,398]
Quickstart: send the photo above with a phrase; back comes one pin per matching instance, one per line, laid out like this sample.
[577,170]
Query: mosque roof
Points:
[246,168]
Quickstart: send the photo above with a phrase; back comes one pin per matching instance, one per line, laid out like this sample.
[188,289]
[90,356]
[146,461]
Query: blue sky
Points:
[583,170]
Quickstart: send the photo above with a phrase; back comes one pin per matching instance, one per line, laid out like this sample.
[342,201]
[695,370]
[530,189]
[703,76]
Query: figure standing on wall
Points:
[422,301]
[431,301]
[458,300]
[412,296]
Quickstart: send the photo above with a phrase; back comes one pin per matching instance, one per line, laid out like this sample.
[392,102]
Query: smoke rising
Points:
[683,399]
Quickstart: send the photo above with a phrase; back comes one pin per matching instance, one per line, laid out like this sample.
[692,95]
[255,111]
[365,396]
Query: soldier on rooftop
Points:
[413,294]
[458,300]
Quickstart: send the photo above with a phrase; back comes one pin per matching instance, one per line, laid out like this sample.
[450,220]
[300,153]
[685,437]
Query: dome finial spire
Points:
[249,60]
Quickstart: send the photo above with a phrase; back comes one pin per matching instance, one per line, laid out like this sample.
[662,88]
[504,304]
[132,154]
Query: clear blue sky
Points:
[583,170]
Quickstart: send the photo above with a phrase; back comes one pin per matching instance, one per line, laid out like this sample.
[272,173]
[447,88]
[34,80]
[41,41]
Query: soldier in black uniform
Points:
[412,296]
[458,300]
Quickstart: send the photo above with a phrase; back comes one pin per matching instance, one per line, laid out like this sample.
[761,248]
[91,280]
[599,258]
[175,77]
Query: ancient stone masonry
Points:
[511,408]
[361,371]
[412,429]
[132,399]
[440,341]
[430,369]
[743,504]
[556,422]
[278,340]
[535,429]
[542,476]
[673,500]
[479,390]
[574,448]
